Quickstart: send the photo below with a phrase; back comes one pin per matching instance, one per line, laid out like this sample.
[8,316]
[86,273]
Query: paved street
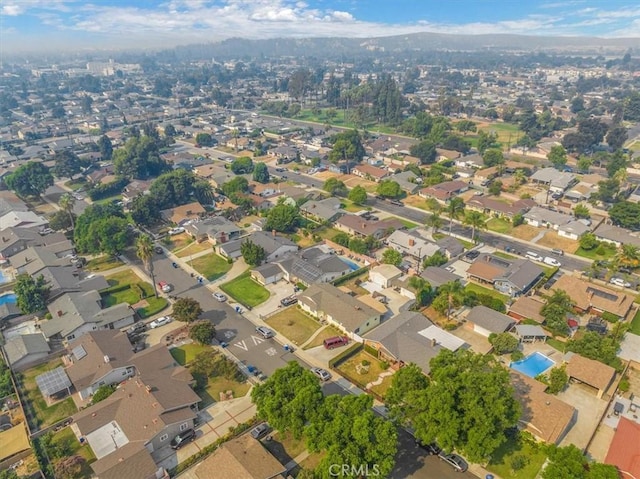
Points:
[54,193]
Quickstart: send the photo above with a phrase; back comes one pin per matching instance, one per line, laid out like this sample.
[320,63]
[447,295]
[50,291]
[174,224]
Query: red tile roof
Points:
[624,451]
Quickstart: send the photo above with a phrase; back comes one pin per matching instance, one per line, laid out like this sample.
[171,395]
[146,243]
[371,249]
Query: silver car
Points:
[323,374]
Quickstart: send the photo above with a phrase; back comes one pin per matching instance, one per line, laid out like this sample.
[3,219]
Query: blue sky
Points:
[78,24]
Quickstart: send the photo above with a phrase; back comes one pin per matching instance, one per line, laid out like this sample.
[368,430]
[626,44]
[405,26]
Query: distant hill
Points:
[336,47]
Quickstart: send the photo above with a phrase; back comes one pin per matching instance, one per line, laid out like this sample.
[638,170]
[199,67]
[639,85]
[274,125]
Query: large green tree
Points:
[557,156]
[187,310]
[347,146]
[252,253]
[425,151]
[406,394]
[358,195]
[144,251]
[67,202]
[493,157]
[242,165]
[67,164]
[391,256]
[570,463]
[202,331]
[454,209]
[389,189]
[349,432]
[334,186]
[261,173]
[290,399]
[282,217]
[32,293]
[468,405]
[30,179]
[105,147]
[140,158]
[626,214]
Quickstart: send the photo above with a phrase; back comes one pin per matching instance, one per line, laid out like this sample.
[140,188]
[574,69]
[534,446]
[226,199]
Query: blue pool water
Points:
[8,298]
[533,365]
[351,264]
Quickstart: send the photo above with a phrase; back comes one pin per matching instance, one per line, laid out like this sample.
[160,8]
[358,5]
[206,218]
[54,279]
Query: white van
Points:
[533,256]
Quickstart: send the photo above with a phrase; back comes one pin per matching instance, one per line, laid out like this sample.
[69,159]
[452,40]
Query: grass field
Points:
[476,288]
[348,368]
[326,232]
[551,239]
[45,415]
[186,353]
[177,242]
[382,388]
[123,277]
[294,325]
[635,324]
[499,226]
[339,120]
[219,384]
[211,266]
[532,456]
[285,447]
[131,296]
[245,290]
[326,333]
[593,253]
[193,248]
[103,263]
[525,232]
[507,132]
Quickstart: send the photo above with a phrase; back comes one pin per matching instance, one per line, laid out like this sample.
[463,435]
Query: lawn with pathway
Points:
[122,290]
[103,263]
[211,266]
[246,290]
[521,458]
[187,352]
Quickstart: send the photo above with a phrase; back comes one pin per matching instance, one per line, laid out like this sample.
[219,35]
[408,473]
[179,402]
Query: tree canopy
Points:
[187,310]
[389,189]
[425,151]
[261,173]
[242,165]
[347,146]
[252,253]
[626,214]
[569,463]
[30,179]
[139,159]
[67,164]
[32,293]
[202,331]
[179,187]
[391,256]
[358,195]
[557,156]
[334,186]
[283,218]
[102,228]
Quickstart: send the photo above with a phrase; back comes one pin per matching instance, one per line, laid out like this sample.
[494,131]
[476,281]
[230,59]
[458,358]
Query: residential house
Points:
[370,172]
[499,209]
[308,156]
[283,153]
[546,417]
[470,161]
[526,307]
[410,337]
[25,350]
[217,180]
[557,181]
[580,192]
[15,240]
[241,458]
[104,174]
[447,155]
[181,214]
[274,246]
[326,302]
[443,192]
[134,189]
[216,229]
[486,321]
[624,450]
[210,170]
[75,314]
[574,229]
[267,273]
[594,298]
[412,243]
[325,210]
[529,333]
[593,373]
[140,417]
[65,279]
[99,358]
[9,202]
[616,235]
[360,227]
[407,181]
[34,259]
[513,277]
[23,219]
[436,277]
[384,274]
[450,246]
[483,176]
[400,160]
[312,265]
[545,218]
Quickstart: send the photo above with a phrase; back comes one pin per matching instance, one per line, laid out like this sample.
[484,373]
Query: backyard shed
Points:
[528,333]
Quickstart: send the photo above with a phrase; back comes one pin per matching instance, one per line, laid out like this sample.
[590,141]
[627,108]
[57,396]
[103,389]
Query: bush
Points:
[102,393]
[105,190]
[601,250]
[624,385]
[138,290]
[517,355]
[366,363]
[384,365]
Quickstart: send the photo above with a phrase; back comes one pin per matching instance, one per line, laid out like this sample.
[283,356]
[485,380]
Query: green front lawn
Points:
[76,184]
[593,253]
[499,225]
[128,296]
[68,439]
[530,455]
[635,324]
[187,353]
[44,415]
[326,333]
[349,369]
[154,307]
[211,266]
[326,232]
[408,224]
[557,344]
[293,324]
[476,288]
[245,290]
[219,384]
[103,263]
[122,278]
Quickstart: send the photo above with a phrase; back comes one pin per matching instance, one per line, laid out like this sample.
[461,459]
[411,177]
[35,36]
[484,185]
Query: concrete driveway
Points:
[630,347]
[590,410]
[278,291]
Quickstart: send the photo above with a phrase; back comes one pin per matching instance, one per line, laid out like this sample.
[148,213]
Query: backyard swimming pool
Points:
[533,365]
[8,298]
[351,264]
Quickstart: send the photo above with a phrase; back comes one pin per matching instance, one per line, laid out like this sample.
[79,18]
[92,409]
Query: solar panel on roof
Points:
[78,352]
[602,294]
[53,381]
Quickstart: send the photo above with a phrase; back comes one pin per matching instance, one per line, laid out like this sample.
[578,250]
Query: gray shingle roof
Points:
[21,346]
[490,319]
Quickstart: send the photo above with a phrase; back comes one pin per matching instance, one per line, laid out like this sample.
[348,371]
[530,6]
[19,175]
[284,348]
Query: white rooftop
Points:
[442,337]
[107,439]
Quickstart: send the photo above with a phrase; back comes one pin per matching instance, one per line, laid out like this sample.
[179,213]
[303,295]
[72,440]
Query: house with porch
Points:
[351,316]
[513,277]
[312,265]
[497,208]
[443,192]
[370,172]
[412,243]
[325,210]
[595,374]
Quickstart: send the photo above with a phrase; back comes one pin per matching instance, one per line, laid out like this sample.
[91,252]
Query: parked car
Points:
[533,256]
[260,431]
[620,282]
[288,301]
[396,202]
[165,287]
[158,250]
[184,437]
[471,255]
[335,342]
[455,461]
[557,251]
[432,449]
[598,325]
[551,261]
[45,231]
[323,374]
[161,321]
[137,328]
[450,269]
[265,332]
[176,231]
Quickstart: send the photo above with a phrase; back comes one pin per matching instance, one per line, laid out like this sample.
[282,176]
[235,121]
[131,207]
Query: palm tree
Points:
[519,177]
[453,290]
[67,202]
[144,250]
[477,221]
[434,221]
[628,255]
[454,209]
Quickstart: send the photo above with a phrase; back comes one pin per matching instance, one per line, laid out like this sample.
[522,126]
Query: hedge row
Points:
[350,351]
[347,277]
[106,190]
[115,289]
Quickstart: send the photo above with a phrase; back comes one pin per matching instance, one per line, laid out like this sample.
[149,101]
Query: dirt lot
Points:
[352,181]
[553,240]
[525,232]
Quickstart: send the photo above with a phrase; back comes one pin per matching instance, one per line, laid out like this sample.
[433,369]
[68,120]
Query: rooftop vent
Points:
[106,358]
